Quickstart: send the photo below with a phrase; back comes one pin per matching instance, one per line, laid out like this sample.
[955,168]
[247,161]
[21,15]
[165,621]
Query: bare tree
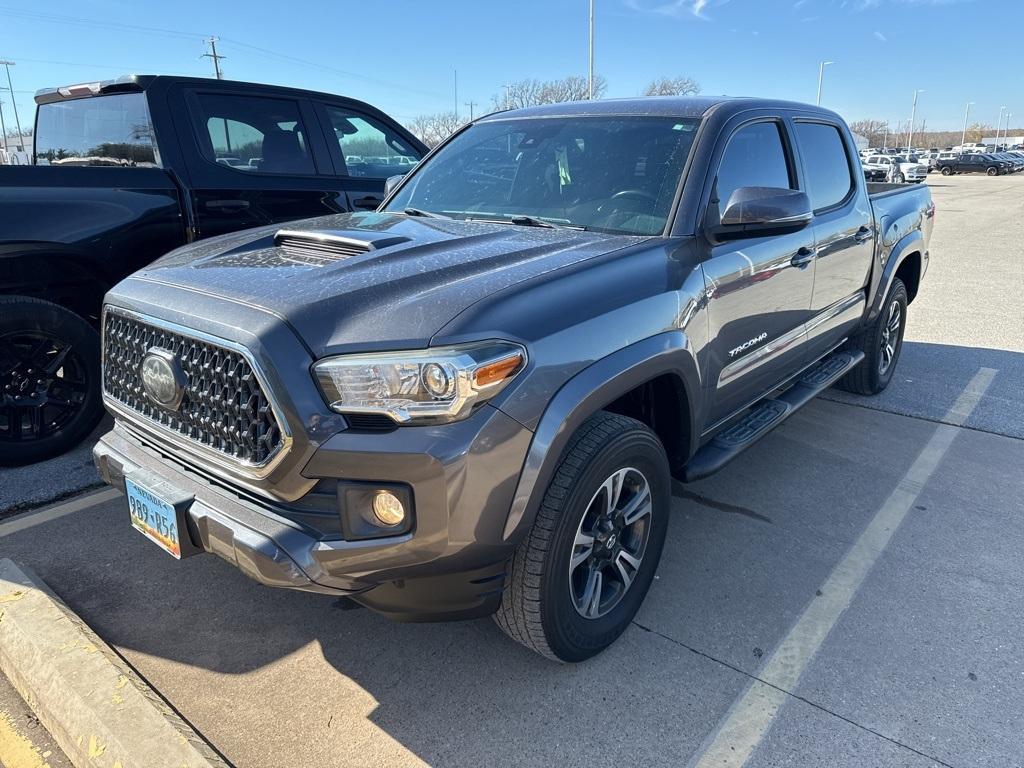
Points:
[529,93]
[672,86]
[872,130]
[433,129]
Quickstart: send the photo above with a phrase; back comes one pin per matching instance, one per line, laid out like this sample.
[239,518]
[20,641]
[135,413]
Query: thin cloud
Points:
[675,8]
[880,37]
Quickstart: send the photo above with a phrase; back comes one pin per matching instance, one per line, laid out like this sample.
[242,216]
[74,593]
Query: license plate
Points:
[154,517]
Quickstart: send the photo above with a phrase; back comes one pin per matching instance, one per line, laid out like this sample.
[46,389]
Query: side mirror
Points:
[391,182]
[757,211]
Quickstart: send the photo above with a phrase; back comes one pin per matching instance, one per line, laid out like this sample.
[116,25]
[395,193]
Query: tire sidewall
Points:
[34,315]
[571,636]
[897,293]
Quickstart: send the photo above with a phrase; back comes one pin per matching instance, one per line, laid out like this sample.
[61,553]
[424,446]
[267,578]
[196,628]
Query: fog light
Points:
[388,509]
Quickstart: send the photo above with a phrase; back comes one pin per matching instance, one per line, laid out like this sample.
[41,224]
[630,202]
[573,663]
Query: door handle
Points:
[226,205]
[368,203]
[803,257]
[863,234]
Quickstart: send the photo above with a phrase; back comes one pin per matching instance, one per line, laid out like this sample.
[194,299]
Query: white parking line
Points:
[752,714]
[28,520]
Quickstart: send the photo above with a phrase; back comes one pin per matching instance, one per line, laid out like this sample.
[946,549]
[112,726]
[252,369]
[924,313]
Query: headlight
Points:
[429,385]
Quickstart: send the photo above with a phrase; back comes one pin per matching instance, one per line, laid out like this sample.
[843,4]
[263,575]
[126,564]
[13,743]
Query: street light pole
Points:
[885,135]
[14,106]
[590,81]
[963,136]
[999,122]
[913,115]
[1006,130]
[821,75]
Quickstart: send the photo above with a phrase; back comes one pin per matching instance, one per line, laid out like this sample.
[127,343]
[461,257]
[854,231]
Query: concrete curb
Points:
[96,707]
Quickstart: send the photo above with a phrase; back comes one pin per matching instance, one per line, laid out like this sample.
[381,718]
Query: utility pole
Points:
[212,42]
[821,76]
[590,81]
[963,136]
[3,128]
[470,104]
[14,106]
[913,115]
[508,99]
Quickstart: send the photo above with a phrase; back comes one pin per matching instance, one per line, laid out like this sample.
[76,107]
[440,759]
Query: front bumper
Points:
[450,565]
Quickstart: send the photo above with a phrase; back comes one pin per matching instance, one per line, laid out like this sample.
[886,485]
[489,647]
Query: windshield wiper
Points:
[426,214]
[523,220]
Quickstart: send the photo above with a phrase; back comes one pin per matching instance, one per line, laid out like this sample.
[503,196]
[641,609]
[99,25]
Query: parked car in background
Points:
[973,162]
[136,167]
[898,168]
[475,400]
[1014,163]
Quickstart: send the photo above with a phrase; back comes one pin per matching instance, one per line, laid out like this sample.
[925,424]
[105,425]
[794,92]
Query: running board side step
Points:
[768,414]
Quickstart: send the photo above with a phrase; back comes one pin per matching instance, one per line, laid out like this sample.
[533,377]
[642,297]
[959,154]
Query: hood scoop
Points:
[320,247]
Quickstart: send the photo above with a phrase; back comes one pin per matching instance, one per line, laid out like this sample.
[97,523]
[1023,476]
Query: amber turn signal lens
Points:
[497,371]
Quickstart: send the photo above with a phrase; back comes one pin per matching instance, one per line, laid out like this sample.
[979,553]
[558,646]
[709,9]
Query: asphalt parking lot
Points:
[847,593]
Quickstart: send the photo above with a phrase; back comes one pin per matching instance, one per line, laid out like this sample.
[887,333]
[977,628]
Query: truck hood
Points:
[363,281]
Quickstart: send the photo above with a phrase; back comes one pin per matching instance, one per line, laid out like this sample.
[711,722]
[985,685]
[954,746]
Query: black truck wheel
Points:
[947,171]
[49,380]
[881,343]
[993,171]
[579,577]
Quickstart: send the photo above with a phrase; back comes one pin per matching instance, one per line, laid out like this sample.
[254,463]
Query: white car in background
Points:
[898,168]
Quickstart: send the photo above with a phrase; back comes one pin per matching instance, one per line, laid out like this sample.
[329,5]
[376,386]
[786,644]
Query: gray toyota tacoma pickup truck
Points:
[473,400]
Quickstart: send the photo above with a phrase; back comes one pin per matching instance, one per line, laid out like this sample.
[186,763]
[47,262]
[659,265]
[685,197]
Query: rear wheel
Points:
[993,171]
[898,178]
[579,577]
[49,380]
[881,343]
[947,171]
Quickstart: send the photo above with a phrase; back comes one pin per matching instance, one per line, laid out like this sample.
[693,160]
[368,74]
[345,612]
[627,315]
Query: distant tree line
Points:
[434,128]
[875,132]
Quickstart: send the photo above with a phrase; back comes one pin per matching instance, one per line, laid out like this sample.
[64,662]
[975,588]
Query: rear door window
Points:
[826,164]
[254,134]
[754,157]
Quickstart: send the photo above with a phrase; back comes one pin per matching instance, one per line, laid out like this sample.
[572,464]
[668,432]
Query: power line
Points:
[212,42]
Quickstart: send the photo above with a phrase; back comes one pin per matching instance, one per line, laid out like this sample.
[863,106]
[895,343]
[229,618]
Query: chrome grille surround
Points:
[227,416]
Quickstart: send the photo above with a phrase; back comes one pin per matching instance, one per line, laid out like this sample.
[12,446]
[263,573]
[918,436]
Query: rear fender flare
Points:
[586,393]
[912,242]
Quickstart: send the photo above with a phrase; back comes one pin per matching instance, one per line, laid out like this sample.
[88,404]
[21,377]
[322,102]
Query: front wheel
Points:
[898,178]
[881,343]
[579,577]
[993,171]
[947,171]
[49,380]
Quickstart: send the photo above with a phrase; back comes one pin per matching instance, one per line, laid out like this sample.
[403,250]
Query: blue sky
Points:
[401,55]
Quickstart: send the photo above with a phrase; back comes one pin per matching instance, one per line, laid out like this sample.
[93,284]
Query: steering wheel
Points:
[636,194]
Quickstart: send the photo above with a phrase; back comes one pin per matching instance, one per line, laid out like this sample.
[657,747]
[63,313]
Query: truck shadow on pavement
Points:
[265,672]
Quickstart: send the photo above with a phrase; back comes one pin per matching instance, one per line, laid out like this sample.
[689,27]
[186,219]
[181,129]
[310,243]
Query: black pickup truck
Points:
[473,400]
[128,169]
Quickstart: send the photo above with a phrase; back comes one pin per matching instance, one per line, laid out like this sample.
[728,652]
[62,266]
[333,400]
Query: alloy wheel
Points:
[610,543]
[890,337]
[43,385]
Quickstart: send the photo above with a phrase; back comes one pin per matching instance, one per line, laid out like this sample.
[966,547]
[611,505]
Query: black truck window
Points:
[254,134]
[755,157]
[826,164]
[368,147]
[112,130]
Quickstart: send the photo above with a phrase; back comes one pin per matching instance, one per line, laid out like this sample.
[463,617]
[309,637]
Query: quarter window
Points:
[255,134]
[826,164]
[369,148]
[755,157]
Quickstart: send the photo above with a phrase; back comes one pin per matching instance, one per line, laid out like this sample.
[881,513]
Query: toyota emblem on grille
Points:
[163,378]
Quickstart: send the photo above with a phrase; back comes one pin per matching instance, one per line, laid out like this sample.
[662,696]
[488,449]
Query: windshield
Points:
[112,130]
[612,174]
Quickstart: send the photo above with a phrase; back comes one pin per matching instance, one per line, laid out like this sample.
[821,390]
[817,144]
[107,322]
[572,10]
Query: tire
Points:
[898,178]
[546,605]
[992,171]
[876,370]
[947,171]
[50,396]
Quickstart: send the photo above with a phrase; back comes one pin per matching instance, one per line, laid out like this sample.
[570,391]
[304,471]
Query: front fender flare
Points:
[586,393]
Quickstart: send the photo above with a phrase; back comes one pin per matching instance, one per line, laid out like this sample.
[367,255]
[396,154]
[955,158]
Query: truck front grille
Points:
[224,408]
